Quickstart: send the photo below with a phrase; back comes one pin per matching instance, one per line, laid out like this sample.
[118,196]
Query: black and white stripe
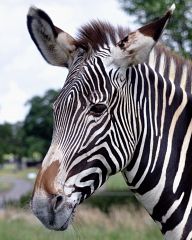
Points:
[139,134]
[172,67]
[113,115]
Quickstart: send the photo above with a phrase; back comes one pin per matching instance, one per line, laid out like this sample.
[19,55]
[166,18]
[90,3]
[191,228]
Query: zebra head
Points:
[91,139]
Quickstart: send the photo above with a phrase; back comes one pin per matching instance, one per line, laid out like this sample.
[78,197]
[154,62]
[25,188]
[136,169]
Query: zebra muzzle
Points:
[55,213]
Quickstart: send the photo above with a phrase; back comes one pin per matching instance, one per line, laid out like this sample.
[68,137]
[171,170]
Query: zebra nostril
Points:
[57,202]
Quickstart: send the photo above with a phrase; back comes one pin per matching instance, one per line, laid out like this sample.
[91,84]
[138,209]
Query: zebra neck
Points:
[175,68]
[158,170]
[148,91]
[159,107]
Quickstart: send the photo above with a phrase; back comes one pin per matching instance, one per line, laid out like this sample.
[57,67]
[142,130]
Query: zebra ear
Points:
[135,48]
[55,45]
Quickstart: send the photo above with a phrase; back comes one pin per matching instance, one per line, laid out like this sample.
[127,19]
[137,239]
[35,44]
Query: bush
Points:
[23,202]
[105,200]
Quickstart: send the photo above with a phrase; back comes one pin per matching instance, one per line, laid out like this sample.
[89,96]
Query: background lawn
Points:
[112,217]
[5,186]
[90,224]
[10,170]
[116,183]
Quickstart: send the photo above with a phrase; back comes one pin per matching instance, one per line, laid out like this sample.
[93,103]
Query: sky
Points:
[23,71]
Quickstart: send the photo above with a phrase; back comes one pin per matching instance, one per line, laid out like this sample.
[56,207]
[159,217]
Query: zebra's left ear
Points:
[135,47]
[55,45]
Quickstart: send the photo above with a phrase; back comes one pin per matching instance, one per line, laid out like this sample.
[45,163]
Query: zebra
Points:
[120,110]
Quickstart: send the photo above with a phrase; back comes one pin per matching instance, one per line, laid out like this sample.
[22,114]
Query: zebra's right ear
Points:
[55,45]
[135,47]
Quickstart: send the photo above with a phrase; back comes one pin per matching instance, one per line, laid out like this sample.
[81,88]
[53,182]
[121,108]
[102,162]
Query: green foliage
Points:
[178,33]
[116,183]
[105,200]
[32,137]
[11,138]
[5,139]
[38,124]
[22,203]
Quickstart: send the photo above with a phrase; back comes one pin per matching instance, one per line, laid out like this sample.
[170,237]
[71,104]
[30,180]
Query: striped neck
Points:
[155,173]
[173,67]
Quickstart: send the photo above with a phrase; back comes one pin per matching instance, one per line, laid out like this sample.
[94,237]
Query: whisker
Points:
[76,231]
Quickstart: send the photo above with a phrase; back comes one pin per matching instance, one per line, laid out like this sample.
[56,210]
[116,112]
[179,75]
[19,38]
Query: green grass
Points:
[116,183]
[103,227]
[20,229]
[9,170]
[5,186]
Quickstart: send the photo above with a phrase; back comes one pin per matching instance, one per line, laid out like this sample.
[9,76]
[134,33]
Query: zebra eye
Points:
[98,109]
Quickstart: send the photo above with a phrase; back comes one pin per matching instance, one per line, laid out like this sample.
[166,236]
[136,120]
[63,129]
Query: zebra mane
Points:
[97,33]
[179,62]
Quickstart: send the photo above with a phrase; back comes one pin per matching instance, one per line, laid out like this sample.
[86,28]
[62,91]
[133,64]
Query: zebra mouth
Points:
[56,218]
[68,221]
[64,227]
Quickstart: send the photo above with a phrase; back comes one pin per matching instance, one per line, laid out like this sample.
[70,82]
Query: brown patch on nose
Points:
[46,178]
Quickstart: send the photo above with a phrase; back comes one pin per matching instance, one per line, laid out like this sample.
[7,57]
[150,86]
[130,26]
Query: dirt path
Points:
[20,187]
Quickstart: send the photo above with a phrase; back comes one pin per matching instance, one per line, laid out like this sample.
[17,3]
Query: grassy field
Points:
[116,183]
[9,170]
[90,224]
[5,186]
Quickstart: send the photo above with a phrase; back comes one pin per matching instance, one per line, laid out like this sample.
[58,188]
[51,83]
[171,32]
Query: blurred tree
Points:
[38,124]
[5,140]
[17,146]
[32,137]
[11,138]
[178,34]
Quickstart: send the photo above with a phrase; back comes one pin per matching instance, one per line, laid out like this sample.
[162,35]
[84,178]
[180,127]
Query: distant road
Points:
[20,187]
